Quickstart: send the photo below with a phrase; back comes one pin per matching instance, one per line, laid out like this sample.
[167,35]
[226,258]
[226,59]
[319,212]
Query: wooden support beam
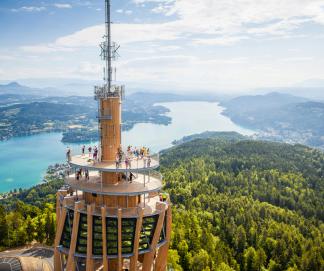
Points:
[59,230]
[61,193]
[120,260]
[90,263]
[71,261]
[149,257]
[161,260]
[104,239]
[133,260]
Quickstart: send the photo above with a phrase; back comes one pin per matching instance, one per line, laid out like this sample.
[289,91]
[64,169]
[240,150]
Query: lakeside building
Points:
[113,217]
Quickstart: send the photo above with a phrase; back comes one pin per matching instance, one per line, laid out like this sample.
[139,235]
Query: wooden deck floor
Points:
[141,184]
[85,161]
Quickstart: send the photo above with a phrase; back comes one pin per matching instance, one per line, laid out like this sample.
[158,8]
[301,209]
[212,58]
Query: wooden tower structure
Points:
[113,217]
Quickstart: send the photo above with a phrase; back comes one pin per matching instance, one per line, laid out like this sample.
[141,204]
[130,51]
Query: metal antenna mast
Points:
[109,52]
[108,55]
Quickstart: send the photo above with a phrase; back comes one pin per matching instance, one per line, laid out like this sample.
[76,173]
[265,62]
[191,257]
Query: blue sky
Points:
[212,45]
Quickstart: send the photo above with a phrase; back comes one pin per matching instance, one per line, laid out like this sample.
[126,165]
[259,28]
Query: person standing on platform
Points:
[149,160]
[83,149]
[68,171]
[127,162]
[121,155]
[89,150]
[68,154]
[131,177]
[95,153]
[117,160]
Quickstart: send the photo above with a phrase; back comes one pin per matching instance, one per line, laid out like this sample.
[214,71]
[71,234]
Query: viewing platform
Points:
[136,164]
[141,184]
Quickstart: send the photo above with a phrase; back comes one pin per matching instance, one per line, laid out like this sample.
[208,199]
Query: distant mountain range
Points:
[310,92]
[261,102]
[311,89]
[280,117]
[16,88]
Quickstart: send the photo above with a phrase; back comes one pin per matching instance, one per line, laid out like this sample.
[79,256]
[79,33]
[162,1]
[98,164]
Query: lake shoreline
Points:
[24,160]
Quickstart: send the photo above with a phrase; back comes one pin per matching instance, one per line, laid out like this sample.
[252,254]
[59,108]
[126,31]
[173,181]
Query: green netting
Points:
[128,234]
[67,230]
[112,236]
[147,232]
[82,235]
[97,236]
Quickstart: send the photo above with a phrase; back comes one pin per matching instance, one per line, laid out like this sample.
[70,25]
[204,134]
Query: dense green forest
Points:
[245,205]
[29,215]
[237,205]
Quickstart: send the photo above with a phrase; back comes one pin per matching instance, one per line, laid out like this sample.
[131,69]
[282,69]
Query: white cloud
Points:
[152,1]
[198,47]
[297,59]
[127,12]
[239,16]
[204,22]
[45,48]
[89,69]
[222,40]
[5,57]
[123,34]
[62,5]
[29,9]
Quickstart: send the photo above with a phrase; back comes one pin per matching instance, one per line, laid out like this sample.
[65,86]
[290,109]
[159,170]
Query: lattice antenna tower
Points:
[109,49]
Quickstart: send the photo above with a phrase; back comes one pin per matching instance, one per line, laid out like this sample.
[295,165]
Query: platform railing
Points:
[130,163]
[94,183]
[130,212]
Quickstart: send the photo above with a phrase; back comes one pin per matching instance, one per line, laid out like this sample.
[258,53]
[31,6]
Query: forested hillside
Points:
[237,205]
[29,215]
[245,205]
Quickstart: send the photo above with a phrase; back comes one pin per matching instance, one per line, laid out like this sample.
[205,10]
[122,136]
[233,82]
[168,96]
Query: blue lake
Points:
[24,160]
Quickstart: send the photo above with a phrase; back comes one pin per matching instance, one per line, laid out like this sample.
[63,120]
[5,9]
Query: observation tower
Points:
[110,213]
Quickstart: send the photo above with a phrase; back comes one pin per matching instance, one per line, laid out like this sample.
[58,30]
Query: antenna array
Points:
[109,49]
